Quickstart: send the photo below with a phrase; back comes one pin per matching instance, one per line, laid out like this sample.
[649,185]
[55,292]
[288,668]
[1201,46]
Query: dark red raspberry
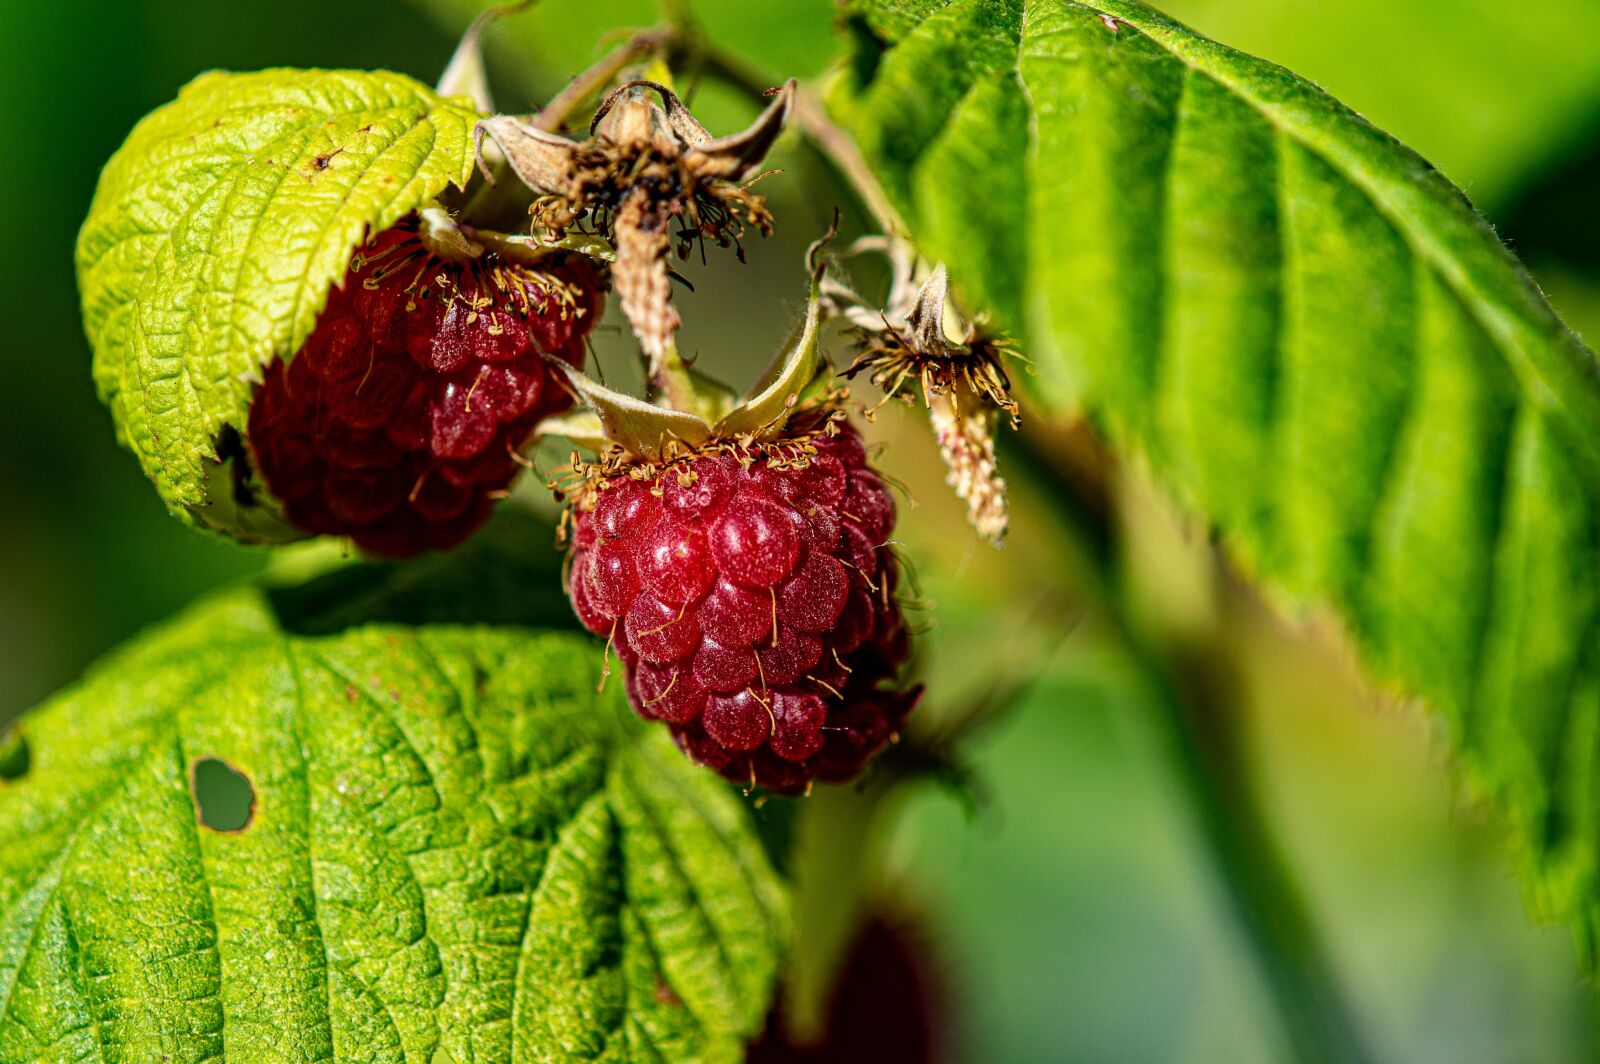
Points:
[750,593]
[400,419]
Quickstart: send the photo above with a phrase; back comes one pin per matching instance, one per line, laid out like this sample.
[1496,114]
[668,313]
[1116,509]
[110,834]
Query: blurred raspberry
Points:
[888,1006]
[400,419]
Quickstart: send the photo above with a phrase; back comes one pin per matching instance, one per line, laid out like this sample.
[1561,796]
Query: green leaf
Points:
[217,231]
[457,851]
[1306,332]
[1487,91]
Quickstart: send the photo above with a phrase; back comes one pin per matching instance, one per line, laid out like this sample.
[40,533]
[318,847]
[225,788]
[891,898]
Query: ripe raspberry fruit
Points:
[749,591]
[400,418]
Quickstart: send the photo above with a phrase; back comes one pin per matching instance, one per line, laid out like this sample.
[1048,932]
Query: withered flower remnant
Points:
[649,177]
[963,382]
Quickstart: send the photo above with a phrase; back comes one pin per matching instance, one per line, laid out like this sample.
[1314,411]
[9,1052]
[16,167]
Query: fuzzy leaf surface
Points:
[458,852]
[217,230]
[1304,330]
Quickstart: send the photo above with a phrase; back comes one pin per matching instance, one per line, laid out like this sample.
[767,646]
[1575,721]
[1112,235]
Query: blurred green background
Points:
[1073,913]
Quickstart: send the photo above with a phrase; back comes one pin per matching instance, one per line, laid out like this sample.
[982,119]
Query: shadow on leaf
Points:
[508,575]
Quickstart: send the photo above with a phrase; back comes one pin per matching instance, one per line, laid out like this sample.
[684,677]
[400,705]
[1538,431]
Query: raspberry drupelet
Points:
[750,592]
[400,419]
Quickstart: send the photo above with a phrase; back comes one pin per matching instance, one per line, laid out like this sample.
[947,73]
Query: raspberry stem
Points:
[553,116]
[1191,698]
[672,378]
[810,117]
[530,251]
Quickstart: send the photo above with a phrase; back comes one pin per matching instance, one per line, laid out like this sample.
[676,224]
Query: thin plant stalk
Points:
[1193,697]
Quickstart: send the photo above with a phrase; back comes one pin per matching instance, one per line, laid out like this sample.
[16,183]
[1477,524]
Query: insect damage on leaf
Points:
[14,755]
[224,799]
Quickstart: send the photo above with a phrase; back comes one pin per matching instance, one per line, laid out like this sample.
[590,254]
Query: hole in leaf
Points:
[15,758]
[224,800]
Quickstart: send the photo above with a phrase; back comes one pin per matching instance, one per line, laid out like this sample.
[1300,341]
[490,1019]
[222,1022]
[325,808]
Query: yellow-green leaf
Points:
[217,231]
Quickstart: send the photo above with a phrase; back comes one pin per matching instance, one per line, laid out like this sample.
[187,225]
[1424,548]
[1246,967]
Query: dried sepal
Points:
[650,178]
[538,157]
[738,157]
[926,320]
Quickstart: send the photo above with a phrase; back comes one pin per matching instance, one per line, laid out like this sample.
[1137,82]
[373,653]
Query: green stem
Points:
[672,379]
[678,14]
[598,77]
[1194,698]
[1200,733]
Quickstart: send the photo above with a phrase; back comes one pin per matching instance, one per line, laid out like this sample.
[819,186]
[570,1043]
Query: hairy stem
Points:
[670,376]
[554,115]
[810,117]
[1194,699]
[838,148]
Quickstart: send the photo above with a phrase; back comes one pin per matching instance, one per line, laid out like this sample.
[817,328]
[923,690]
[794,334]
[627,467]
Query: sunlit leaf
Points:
[450,848]
[218,229]
[1308,334]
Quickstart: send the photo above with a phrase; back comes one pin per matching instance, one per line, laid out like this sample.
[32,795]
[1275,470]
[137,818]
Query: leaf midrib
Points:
[56,868]
[291,660]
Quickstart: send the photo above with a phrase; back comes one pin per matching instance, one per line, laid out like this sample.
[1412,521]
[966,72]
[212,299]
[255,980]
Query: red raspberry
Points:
[400,419]
[749,591]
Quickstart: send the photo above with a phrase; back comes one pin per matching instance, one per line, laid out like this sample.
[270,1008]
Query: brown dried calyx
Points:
[649,177]
[963,382]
